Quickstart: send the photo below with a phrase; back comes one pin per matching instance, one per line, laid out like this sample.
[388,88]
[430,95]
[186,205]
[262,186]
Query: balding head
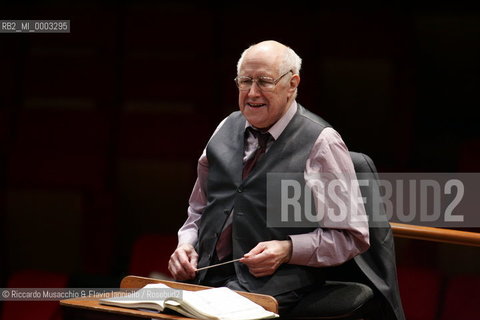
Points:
[283,57]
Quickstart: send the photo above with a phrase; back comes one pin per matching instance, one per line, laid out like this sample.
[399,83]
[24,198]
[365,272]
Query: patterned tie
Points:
[224,243]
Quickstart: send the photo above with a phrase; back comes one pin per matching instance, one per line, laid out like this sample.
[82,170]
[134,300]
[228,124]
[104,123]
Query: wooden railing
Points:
[408,231]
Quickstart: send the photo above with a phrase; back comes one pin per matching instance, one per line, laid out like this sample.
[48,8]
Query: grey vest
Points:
[247,198]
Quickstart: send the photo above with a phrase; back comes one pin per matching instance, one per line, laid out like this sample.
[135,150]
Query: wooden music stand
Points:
[90,308]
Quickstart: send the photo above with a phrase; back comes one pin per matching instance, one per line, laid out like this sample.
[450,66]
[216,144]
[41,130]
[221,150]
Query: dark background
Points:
[101,128]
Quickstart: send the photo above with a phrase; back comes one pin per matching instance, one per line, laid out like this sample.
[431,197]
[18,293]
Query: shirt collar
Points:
[277,129]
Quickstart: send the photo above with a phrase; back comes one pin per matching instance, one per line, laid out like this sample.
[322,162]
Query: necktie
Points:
[263,139]
[224,243]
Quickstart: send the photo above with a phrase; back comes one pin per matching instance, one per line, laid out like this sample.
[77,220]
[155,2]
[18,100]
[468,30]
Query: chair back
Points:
[378,262]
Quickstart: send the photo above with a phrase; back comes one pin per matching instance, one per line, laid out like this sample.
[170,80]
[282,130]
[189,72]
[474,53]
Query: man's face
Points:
[261,108]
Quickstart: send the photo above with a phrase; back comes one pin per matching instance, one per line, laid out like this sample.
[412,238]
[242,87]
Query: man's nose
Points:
[254,90]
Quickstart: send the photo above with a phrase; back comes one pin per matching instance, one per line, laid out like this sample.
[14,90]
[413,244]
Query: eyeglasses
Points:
[263,83]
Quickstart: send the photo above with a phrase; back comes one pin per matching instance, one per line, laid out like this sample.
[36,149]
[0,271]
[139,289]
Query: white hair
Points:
[291,61]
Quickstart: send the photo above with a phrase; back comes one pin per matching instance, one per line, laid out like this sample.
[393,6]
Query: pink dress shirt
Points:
[327,246]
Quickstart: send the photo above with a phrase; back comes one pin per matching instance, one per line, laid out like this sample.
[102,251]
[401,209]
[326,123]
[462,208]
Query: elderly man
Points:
[227,212]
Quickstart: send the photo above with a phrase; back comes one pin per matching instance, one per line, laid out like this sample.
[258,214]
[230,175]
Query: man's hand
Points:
[267,256]
[183,262]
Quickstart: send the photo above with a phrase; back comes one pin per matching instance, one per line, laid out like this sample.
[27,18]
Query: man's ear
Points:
[294,82]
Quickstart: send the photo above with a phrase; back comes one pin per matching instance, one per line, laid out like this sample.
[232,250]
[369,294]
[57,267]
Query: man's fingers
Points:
[262,271]
[188,267]
[176,270]
[188,259]
[259,248]
[183,262]
[265,258]
[264,267]
[260,258]
[183,258]
[194,261]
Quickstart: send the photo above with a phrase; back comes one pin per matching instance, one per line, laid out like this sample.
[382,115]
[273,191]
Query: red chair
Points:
[38,310]
[151,253]
[462,298]
[420,290]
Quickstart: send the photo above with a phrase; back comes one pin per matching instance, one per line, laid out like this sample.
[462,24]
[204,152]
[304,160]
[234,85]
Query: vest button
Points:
[239,189]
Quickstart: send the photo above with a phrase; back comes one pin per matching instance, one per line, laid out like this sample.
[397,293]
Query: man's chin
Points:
[260,125]
[257,118]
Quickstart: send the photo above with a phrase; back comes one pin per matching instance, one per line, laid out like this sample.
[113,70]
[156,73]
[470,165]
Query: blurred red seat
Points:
[38,310]
[420,290]
[462,298]
[151,253]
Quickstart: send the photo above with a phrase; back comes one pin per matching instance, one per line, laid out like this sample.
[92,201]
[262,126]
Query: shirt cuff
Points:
[187,238]
[301,249]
